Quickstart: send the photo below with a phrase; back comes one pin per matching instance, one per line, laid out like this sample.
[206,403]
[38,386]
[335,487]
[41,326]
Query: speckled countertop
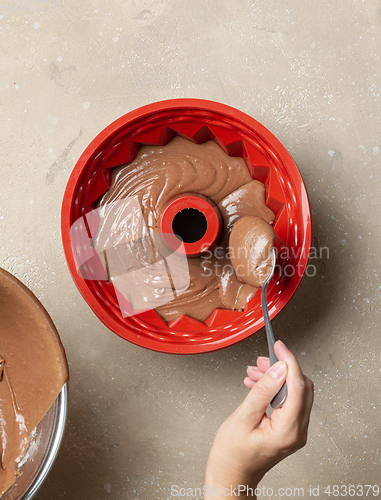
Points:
[141,421]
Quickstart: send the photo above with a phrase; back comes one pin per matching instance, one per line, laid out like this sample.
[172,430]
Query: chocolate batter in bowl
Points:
[238,135]
[33,390]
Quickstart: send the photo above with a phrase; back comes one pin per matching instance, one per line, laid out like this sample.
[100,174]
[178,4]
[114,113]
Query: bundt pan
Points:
[267,161]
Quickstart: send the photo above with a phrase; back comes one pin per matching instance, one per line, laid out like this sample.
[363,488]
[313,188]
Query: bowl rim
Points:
[96,146]
[55,443]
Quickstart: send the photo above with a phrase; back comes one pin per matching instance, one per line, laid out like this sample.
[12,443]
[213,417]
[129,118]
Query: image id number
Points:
[351,490]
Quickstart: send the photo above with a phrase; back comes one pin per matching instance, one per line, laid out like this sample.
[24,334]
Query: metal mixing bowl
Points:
[42,451]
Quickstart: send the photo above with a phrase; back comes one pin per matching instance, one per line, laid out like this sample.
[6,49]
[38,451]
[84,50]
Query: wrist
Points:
[223,489]
[228,492]
[230,479]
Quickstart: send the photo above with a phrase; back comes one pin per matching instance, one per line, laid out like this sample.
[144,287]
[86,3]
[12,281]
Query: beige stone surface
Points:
[141,421]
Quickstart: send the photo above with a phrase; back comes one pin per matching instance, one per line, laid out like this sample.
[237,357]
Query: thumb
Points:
[256,402]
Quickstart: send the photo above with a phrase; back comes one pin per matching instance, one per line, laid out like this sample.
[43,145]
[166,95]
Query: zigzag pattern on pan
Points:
[259,166]
[124,151]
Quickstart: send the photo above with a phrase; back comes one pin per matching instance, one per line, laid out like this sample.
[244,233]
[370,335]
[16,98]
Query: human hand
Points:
[249,443]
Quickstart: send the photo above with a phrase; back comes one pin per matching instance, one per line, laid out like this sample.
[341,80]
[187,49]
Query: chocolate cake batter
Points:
[199,300]
[233,293]
[33,370]
[157,174]
[247,200]
[251,250]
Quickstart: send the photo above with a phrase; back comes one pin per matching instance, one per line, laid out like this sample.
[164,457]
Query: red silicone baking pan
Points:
[267,161]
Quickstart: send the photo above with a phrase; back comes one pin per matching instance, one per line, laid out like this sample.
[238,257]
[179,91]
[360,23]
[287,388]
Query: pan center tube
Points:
[194,219]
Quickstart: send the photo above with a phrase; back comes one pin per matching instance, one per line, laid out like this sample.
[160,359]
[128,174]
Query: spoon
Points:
[280,398]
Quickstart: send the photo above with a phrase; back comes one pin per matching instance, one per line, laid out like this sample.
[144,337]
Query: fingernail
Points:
[263,357]
[251,368]
[278,369]
[280,342]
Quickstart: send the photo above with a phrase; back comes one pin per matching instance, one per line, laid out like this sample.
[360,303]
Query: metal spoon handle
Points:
[280,398]
[269,330]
